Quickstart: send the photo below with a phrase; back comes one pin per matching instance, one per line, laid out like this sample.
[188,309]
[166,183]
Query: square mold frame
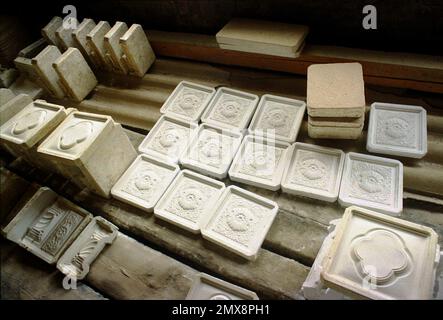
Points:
[313,171]
[240,221]
[281,116]
[47,224]
[206,287]
[231,109]
[372,182]
[211,150]
[168,139]
[403,253]
[397,129]
[145,181]
[189,200]
[188,101]
[260,162]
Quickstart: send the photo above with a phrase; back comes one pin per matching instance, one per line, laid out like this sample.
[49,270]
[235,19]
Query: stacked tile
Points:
[335,101]
[59,232]
[263,37]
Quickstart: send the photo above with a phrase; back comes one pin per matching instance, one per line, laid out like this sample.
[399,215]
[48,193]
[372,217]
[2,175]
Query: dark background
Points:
[409,26]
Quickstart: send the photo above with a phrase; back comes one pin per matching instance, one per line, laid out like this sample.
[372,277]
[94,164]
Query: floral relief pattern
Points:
[212,149]
[314,170]
[239,220]
[188,102]
[171,139]
[277,116]
[371,182]
[230,109]
[396,129]
[260,160]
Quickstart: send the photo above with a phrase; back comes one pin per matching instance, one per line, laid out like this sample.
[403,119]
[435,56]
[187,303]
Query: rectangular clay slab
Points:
[231,109]
[206,287]
[372,182]
[313,171]
[168,139]
[337,122]
[47,225]
[189,200]
[211,151]
[188,101]
[48,32]
[96,40]
[114,51]
[240,221]
[278,117]
[260,162]
[76,260]
[397,129]
[376,256]
[318,132]
[145,181]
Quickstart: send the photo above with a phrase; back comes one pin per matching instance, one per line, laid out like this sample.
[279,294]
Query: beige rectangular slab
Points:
[96,40]
[337,122]
[64,34]
[47,225]
[138,54]
[43,66]
[75,74]
[335,90]
[91,149]
[114,51]
[334,132]
[48,32]
[82,43]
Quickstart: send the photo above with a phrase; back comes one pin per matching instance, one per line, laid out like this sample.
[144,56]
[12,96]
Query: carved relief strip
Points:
[231,109]
[188,101]
[260,162]
[211,150]
[278,117]
[372,182]
[189,200]
[313,171]
[76,260]
[47,225]
[206,287]
[144,182]
[240,221]
[380,257]
[397,129]
[168,139]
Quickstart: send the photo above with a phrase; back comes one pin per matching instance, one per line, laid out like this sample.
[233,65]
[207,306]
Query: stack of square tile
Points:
[335,101]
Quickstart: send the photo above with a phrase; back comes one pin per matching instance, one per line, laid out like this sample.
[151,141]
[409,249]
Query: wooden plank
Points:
[403,70]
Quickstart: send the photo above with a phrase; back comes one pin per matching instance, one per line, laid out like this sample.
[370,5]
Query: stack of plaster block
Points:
[335,100]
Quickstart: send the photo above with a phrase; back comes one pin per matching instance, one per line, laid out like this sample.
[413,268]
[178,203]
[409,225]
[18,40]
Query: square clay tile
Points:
[188,101]
[376,256]
[260,162]
[145,181]
[372,182]
[240,221]
[397,129]
[206,287]
[335,90]
[231,109]
[313,171]
[189,200]
[278,117]
[168,139]
[211,151]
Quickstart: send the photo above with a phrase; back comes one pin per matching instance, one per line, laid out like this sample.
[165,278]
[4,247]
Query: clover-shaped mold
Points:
[75,134]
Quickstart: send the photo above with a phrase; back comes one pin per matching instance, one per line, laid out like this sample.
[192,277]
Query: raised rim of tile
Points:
[206,287]
[239,229]
[367,279]
[188,102]
[373,183]
[167,140]
[230,117]
[189,207]
[278,120]
[255,170]
[139,189]
[404,133]
[312,179]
